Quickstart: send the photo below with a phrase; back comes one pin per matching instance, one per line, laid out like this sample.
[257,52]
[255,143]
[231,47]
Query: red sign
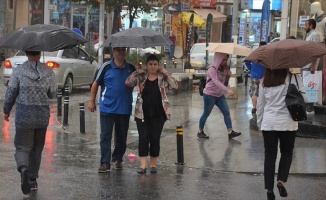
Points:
[204,3]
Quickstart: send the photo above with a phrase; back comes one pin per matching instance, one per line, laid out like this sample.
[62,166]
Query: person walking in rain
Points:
[276,123]
[31,86]
[214,94]
[115,107]
[152,108]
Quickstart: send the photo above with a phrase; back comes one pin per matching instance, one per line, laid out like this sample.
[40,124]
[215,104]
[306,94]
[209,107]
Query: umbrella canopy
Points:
[198,21]
[138,38]
[229,48]
[287,53]
[41,37]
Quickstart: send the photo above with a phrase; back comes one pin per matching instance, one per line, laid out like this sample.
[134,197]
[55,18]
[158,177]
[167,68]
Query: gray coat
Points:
[31,86]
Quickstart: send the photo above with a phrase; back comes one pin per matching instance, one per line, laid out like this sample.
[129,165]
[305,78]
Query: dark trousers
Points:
[287,139]
[149,136]
[121,126]
[29,145]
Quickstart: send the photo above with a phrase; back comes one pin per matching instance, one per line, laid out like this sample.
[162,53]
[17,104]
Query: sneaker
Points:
[202,135]
[104,168]
[253,111]
[118,165]
[233,134]
[24,174]
[33,184]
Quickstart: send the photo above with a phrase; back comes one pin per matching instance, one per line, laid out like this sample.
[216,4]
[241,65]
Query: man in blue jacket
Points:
[256,73]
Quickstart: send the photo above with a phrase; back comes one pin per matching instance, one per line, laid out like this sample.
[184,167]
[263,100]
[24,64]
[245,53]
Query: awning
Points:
[198,21]
[217,16]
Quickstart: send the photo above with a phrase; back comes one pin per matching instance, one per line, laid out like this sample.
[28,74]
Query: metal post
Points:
[66,90]
[175,64]
[179,131]
[59,102]
[172,61]
[164,63]
[82,117]
[246,79]
[65,110]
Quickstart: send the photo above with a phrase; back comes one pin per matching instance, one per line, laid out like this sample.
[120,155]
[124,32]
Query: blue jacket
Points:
[256,70]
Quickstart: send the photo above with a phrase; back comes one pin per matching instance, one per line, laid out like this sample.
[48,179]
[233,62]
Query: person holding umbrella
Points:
[214,94]
[115,107]
[152,108]
[31,86]
[276,123]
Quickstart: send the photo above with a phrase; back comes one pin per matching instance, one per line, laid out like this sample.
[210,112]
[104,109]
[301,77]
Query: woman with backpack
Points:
[214,94]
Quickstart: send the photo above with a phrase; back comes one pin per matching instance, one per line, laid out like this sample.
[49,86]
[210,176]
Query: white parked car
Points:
[198,59]
[72,67]
[141,51]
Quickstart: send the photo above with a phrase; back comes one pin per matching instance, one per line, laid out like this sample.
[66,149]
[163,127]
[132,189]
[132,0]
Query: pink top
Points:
[216,76]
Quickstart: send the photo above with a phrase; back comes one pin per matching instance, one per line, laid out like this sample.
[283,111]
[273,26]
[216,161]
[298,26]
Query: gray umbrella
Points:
[137,37]
[41,37]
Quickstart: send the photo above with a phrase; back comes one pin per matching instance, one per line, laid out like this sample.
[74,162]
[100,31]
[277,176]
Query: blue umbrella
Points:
[264,27]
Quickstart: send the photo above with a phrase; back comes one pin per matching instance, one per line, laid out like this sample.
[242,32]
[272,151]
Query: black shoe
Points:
[253,111]
[202,135]
[233,134]
[118,165]
[104,168]
[270,195]
[281,189]
[33,184]
[141,171]
[24,174]
[153,170]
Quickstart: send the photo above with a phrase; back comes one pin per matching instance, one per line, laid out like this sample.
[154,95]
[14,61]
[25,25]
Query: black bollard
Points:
[179,131]
[175,64]
[82,117]
[172,61]
[65,110]
[59,102]
[164,63]
[246,78]
[66,90]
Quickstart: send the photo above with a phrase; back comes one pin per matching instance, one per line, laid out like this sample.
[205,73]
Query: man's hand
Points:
[91,106]
[6,117]
[312,69]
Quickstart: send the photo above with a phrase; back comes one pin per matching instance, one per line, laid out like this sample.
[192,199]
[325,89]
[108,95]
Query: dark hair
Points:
[291,37]
[152,57]
[312,22]
[275,77]
[32,53]
[261,43]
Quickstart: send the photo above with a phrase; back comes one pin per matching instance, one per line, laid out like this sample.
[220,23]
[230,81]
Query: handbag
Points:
[202,86]
[294,101]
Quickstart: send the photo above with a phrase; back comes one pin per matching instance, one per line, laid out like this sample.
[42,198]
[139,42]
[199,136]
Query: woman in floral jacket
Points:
[152,108]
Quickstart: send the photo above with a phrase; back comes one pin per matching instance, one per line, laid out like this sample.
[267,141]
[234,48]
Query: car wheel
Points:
[68,84]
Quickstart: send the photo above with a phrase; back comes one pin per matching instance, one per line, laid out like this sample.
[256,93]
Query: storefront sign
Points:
[204,3]
[302,20]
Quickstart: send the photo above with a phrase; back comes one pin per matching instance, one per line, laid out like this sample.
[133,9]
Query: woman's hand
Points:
[230,93]
[229,73]
[163,70]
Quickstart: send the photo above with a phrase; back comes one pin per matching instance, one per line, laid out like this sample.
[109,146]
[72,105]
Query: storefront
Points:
[250,21]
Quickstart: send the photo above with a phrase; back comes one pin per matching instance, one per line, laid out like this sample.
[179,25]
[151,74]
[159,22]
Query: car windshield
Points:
[50,54]
[198,49]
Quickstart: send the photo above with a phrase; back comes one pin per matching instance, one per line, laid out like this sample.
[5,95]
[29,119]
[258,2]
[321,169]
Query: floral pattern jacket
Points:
[165,82]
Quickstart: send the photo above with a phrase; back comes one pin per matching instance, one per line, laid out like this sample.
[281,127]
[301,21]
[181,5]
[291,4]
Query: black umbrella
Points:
[137,37]
[41,37]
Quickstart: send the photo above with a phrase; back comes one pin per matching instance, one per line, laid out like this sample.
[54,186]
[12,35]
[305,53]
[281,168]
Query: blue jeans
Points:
[221,103]
[121,126]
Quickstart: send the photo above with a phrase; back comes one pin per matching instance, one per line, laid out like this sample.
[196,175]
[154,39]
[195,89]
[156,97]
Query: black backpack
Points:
[202,85]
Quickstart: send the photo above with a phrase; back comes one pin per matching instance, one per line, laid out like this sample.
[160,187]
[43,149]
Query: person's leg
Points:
[143,142]
[121,132]
[156,127]
[287,139]
[209,102]
[222,104]
[24,139]
[270,144]
[107,122]
[36,153]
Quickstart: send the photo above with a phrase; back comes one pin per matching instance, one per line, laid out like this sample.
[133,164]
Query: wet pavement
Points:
[215,168]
